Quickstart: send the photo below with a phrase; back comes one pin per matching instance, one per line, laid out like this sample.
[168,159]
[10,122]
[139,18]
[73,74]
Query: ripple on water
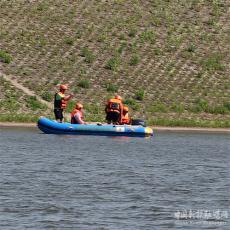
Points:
[57,182]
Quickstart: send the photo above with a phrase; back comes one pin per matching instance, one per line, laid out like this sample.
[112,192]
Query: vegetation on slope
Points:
[168,59]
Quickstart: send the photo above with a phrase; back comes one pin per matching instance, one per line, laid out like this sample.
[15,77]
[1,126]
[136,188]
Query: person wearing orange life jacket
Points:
[77,115]
[126,120]
[60,102]
[114,110]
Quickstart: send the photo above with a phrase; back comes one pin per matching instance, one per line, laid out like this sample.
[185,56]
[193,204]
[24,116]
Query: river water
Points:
[169,181]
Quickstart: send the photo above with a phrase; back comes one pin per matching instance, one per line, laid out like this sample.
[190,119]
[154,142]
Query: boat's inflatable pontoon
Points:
[52,127]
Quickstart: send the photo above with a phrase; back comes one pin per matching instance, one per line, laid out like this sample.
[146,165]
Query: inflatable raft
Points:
[52,127]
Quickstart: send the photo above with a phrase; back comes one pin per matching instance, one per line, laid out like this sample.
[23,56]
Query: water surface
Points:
[89,182]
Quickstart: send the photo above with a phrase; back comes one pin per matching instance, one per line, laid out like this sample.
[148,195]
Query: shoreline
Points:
[155,128]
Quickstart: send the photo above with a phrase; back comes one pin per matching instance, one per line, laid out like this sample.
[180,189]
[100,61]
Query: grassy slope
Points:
[176,51]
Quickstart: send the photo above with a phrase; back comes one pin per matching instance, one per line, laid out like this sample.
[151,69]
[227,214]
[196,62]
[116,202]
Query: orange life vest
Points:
[125,119]
[73,119]
[60,103]
[114,105]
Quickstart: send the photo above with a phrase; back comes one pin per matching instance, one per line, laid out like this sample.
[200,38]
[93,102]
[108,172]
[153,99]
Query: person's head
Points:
[117,97]
[125,109]
[79,106]
[63,88]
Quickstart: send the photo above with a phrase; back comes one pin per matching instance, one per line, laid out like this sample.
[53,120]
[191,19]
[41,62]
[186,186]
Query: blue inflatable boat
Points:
[52,127]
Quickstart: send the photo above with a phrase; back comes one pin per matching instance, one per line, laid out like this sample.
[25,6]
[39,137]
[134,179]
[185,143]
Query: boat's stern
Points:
[148,131]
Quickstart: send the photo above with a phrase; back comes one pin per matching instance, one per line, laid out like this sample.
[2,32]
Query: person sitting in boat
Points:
[77,115]
[60,102]
[114,110]
[125,120]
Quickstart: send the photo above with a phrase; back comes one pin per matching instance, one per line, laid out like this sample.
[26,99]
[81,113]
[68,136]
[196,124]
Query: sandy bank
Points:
[17,124]
[155,128]
[191,129]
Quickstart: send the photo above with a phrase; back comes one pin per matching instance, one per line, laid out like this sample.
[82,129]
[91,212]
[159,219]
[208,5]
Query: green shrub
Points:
[199,75]
[34,104]
[113,63]
[139,95]
[199,106]
[88,54]
[93,108]
[42,7]
[203,106]
[213,63]
[158,107]
[157,51]
[148,36]
[102,38]
[134,59]
[177,108]
[132,103]
[69,41]
[122,47]
[5,57]
[132,32]
[70,106]
[221,109]
[191,48]
[47,96]
[227,105]
[112,88]
[78,34]
[84,84]
[10,104]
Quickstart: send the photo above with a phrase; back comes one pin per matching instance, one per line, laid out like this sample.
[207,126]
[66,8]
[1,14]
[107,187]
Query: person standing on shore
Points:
[60,102]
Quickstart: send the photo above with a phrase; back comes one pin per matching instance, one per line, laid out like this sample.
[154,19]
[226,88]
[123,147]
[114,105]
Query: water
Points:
[86,182]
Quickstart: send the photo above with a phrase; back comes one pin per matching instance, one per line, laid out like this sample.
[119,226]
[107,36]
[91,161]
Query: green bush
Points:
[113,63]
[213,63]
[177,108]
[139,95]
[70,106]
[199,106]
[134,59]
[5,57]
[88,54]
[10,104]
[132,103]
[84,84]
[148,36]
[42,7]
[221,109]
[191,48]
[34,104]
[112,88]
[203,106]
[121,48]
[158,107]
[132,32]
[47,96]
[69,41]
[227,105]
